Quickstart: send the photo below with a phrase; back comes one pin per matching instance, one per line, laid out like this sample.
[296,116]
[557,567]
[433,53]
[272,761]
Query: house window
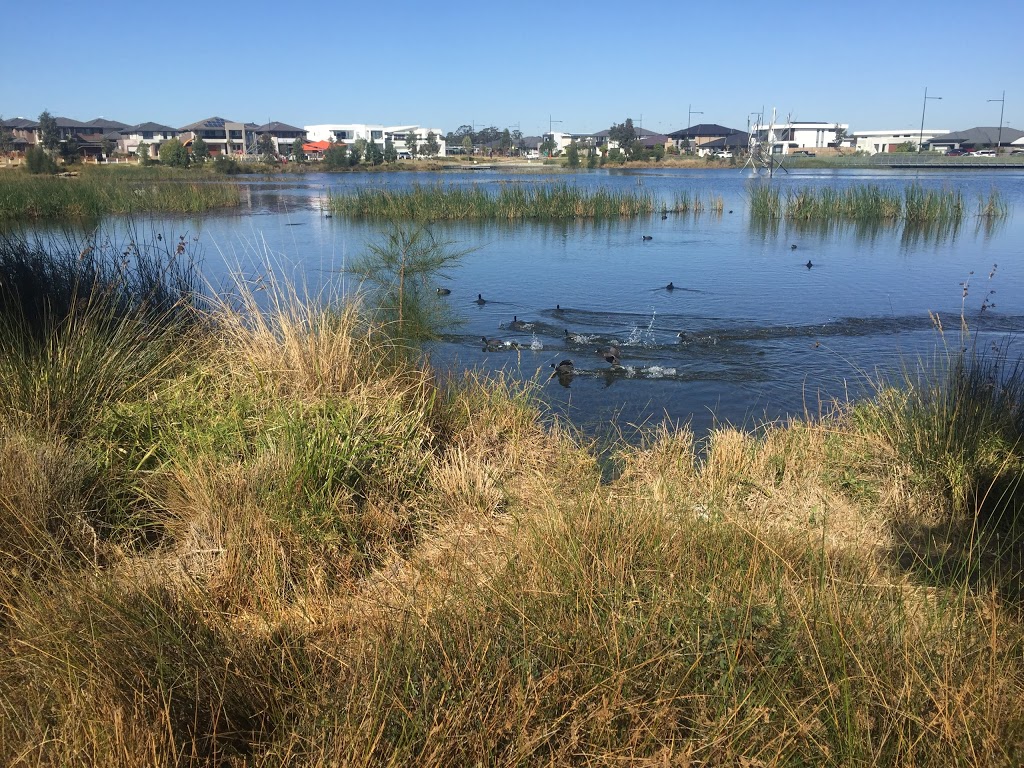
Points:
[376,134]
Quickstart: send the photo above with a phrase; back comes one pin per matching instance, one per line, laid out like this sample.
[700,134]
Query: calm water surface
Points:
[764,336]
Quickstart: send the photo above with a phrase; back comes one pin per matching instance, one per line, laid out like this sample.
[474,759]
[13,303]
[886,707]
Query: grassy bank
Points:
[914,205]
[234,537]
[512,202]
[93,194]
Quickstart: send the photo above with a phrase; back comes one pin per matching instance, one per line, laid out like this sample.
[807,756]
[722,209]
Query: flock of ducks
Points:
[566,369]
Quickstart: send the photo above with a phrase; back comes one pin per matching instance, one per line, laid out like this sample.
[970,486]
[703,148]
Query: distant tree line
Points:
[500,140]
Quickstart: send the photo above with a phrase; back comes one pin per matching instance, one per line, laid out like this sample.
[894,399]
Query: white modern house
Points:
[562,140]
[875,142]
[346,133]
[803,136]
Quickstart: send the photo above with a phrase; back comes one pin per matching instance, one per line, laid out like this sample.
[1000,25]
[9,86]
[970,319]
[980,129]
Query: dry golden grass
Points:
[350,561]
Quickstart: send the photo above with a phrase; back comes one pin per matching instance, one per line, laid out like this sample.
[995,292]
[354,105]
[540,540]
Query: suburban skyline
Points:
[578,70]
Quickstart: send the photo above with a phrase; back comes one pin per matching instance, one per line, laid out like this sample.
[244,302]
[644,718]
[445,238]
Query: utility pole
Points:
[1002,104]
[920,138]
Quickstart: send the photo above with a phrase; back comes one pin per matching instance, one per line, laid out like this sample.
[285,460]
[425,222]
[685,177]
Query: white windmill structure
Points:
[762,140]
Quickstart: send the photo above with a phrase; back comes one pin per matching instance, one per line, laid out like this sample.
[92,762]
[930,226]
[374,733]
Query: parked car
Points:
[955,152]
[723,155]
[404,156]
[1017,152]
[803,153]
[983,153]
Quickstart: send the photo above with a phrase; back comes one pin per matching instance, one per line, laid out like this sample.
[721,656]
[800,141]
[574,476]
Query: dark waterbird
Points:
[517,324]
[492,343]
[808,264]
[792,247]
[444,291]
[610,353]
[647,237]
[480,299]
[564,368]
[670,287]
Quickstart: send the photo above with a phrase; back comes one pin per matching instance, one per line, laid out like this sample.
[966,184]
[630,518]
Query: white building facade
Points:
[875,142]
[346,133]
[804,136]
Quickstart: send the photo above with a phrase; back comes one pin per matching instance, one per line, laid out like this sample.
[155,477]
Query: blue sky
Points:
[587,65]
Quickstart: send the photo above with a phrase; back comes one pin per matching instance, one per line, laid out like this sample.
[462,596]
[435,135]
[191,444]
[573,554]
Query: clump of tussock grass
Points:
[144,673]
[992,207]
[512,202]
[24,197]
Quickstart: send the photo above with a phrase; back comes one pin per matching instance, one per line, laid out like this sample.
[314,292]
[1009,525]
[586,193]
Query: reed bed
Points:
[867,203]
[512,202]
[283,540]
[24,197]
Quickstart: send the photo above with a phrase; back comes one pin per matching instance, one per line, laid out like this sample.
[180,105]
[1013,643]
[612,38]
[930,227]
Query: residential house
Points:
[738,141]
[649,139]
[153,134]
[978,138]
[875,142]
[802,135]
[347,133]
[283,135]
[223,137]
[696,136]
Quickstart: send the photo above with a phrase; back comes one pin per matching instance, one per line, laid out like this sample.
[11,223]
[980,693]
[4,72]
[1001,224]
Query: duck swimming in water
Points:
[444,291]
[492,343]
[610,353]
[480,299]
[517,324]
[564,368]
[808,264]
[647,237]
[670,287]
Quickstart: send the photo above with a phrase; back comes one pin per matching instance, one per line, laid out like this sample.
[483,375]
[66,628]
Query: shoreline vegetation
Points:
[96,192]
[268,533]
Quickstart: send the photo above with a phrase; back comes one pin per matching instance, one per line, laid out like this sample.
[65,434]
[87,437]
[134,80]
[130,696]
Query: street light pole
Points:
[690,111]
[1002,104]
[920,138]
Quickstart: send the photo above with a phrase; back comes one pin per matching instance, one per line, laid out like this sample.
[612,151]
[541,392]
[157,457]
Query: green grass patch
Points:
[869,203]
[511,202]
[91,195]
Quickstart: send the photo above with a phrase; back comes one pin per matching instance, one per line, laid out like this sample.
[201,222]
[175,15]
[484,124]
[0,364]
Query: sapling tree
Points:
[431,147]
[399,271]
[49,133]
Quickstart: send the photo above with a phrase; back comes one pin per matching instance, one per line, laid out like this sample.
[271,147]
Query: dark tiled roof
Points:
[701,130]
[737,140]
[107,125]
[156,127]
[67,122]
[19,122]
[210,123]
[276,127]
[979,135]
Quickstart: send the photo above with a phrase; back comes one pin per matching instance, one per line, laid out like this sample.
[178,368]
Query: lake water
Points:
[764,335]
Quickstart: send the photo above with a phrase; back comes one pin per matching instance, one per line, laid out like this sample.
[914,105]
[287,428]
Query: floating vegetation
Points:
[915,205]
[509,203]
[92,195]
